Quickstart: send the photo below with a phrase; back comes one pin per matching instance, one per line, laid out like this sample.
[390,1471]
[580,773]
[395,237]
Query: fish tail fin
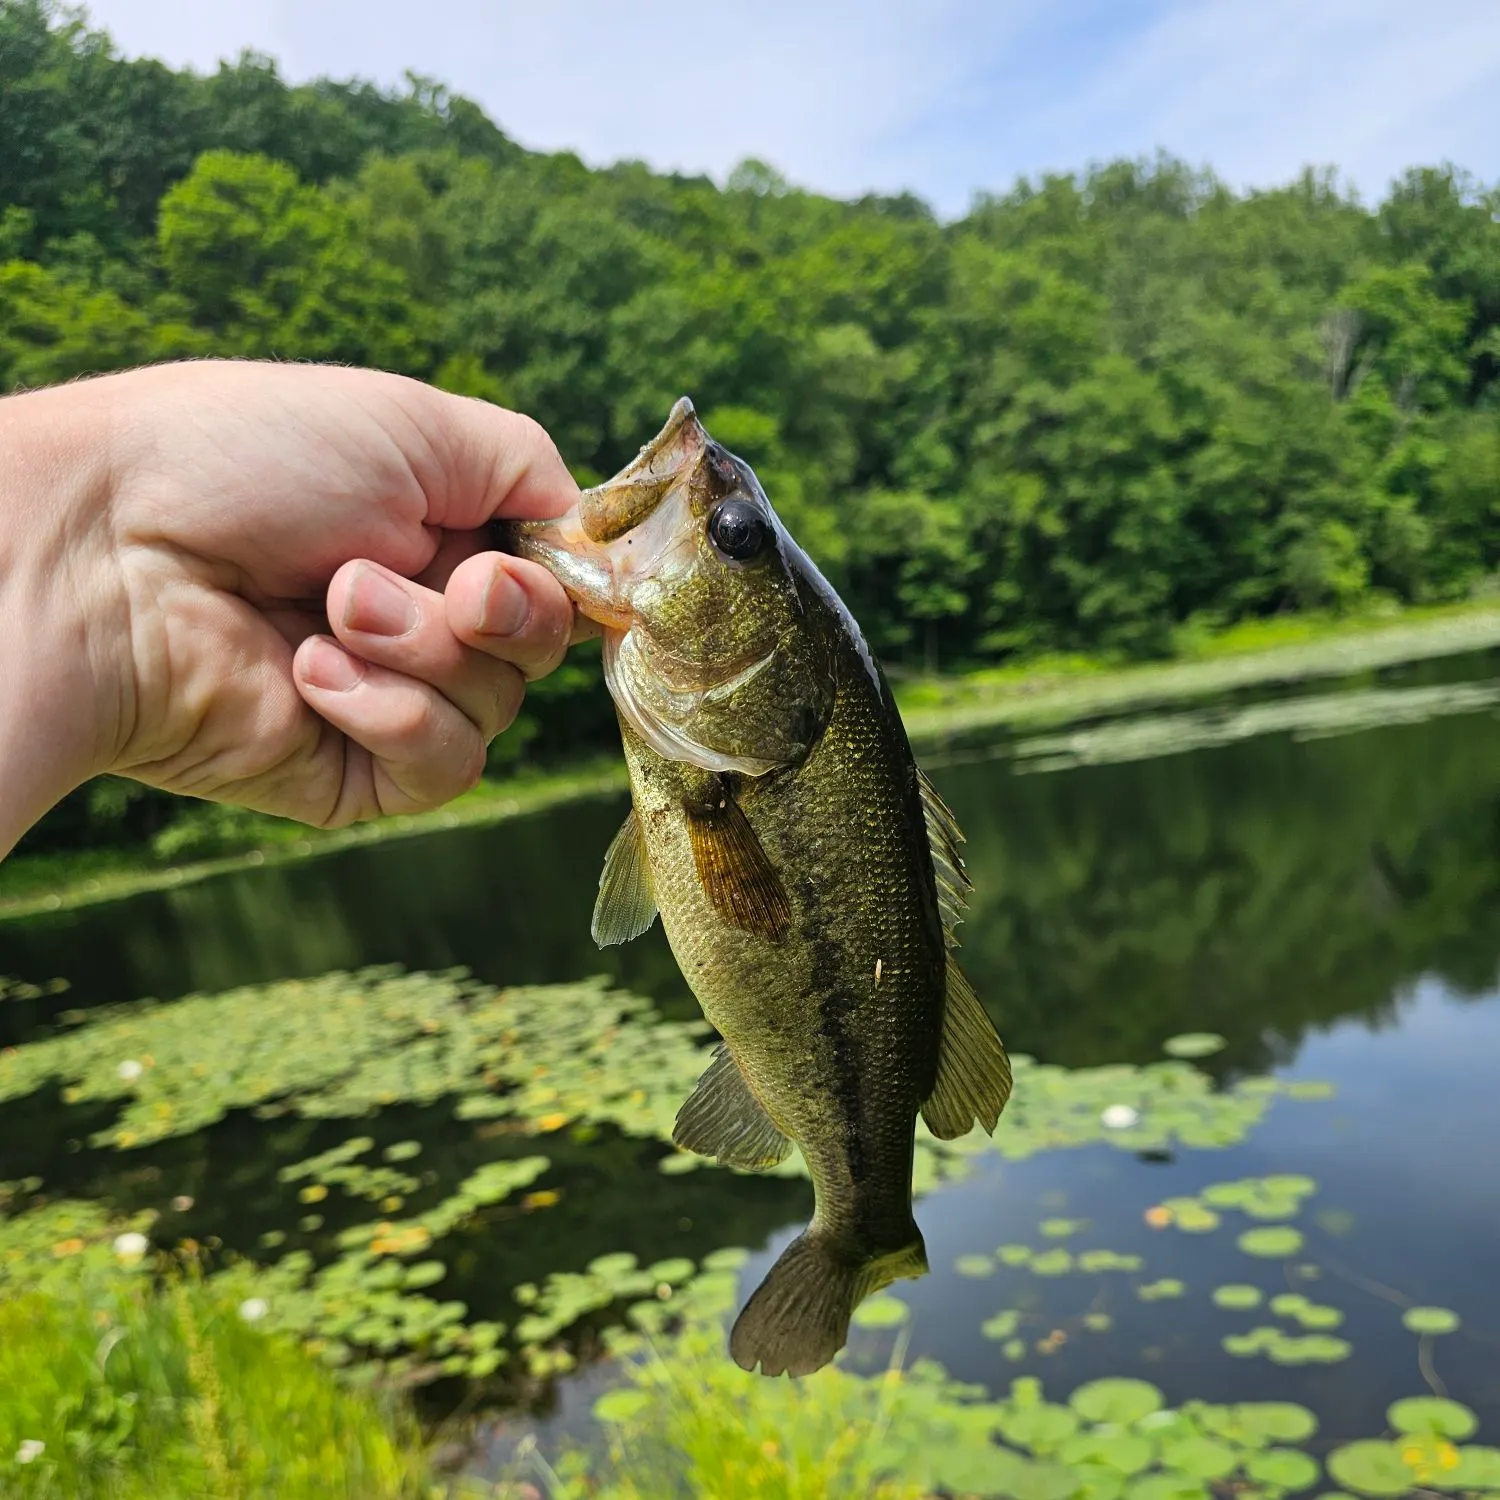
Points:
[798,1318]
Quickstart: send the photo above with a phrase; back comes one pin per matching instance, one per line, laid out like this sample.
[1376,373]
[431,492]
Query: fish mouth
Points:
[577,547]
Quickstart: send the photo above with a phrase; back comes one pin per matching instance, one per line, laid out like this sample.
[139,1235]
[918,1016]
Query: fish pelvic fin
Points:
[798,1318]
[973,1072]
[626,906]
[722,1118]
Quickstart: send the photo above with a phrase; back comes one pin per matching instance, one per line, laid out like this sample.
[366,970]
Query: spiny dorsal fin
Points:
[943,837]
[723,1119]
[973,1073]
[733,869]
[626,906]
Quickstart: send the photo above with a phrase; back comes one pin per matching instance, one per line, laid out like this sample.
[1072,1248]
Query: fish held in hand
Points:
[807,874]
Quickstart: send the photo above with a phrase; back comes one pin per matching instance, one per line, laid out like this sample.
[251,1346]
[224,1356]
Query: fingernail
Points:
[325,664]
[377,604]
[506,607]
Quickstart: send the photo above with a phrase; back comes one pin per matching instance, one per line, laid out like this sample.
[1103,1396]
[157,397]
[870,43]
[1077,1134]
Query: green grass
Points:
[115,1390]
[1042,691]
[1052,691]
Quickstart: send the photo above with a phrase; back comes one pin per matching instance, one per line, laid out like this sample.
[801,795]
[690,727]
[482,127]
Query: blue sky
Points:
[944,97]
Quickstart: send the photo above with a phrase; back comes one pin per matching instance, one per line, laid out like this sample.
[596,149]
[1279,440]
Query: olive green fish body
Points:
[836,1025]
[806,873]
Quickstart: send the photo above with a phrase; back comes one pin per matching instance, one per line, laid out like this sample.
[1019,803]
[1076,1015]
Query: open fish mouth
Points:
[644,505]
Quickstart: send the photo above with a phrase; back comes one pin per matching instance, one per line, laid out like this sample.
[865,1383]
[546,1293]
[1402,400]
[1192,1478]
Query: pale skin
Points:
[267,585]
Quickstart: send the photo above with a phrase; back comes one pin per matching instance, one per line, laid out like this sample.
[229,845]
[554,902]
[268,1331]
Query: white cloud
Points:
[944,97]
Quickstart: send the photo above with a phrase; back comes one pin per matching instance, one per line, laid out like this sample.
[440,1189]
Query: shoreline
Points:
[1044,694]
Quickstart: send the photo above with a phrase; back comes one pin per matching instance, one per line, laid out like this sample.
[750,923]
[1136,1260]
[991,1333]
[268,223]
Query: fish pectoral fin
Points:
[733,869]
[973,1072]
[626,906]
[723,1119]
[943,838]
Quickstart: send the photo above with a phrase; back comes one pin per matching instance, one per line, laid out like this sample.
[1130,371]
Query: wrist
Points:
[61,638]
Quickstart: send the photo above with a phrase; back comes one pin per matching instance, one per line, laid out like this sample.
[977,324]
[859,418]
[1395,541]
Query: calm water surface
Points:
[1332,907]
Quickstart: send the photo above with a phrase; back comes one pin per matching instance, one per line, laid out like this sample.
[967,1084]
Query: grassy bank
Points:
[54,882]
[1042,693]
[1053,691]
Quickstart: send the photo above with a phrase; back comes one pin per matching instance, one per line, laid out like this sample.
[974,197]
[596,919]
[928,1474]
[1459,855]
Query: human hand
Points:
[268,585]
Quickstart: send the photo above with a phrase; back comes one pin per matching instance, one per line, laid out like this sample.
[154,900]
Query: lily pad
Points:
[1060,1229]
[1160,1291]
[1371,1468]
[1270,1243]
[1432,1414]
[974,1265]
[1168,1487]
[1118,1400]
[1194,1044]
[1478,1468]
[1001,1326]
[1125,1452]
[1282,1421]
[1041,1428]
[1430,1320]
[1237,1297]
[881,1312]
[1200,1458]
[1285,1468]
[1052,1263]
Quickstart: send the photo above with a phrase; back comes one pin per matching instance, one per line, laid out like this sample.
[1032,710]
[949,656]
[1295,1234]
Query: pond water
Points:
[1329,903]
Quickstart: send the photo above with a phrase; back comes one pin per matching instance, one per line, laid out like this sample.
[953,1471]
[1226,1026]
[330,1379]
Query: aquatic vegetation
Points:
[684,1421]
[522,1066]
[350,1044]
[530,1062]
[1430,1320]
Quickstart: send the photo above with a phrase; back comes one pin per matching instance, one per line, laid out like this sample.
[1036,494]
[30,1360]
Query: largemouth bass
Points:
[807,874]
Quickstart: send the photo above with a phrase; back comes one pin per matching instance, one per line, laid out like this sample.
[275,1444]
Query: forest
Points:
[1102,409]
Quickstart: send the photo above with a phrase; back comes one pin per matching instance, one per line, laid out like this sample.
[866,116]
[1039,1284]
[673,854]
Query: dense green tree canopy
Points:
[1099,408]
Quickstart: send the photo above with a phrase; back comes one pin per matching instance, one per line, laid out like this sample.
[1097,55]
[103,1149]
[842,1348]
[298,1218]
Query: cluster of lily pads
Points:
[533,1062]
[684,1414]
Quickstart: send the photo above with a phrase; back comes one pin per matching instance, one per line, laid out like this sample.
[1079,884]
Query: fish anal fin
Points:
[733,869]
[944,838]
[626,906]
[973,1073]
[798,1318]
[722,1118]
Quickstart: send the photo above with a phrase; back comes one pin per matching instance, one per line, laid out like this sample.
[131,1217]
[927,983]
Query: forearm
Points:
[54,496]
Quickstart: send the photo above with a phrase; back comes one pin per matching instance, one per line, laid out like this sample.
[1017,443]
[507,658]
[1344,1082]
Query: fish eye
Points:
[738,530]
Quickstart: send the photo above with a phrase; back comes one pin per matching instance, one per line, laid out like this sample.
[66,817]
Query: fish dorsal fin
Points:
[723,1119]
[733,869]
[973,1072]
[943,838]
[626,906]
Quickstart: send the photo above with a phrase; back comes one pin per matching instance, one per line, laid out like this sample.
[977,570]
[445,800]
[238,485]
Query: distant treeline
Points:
[1097,410]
